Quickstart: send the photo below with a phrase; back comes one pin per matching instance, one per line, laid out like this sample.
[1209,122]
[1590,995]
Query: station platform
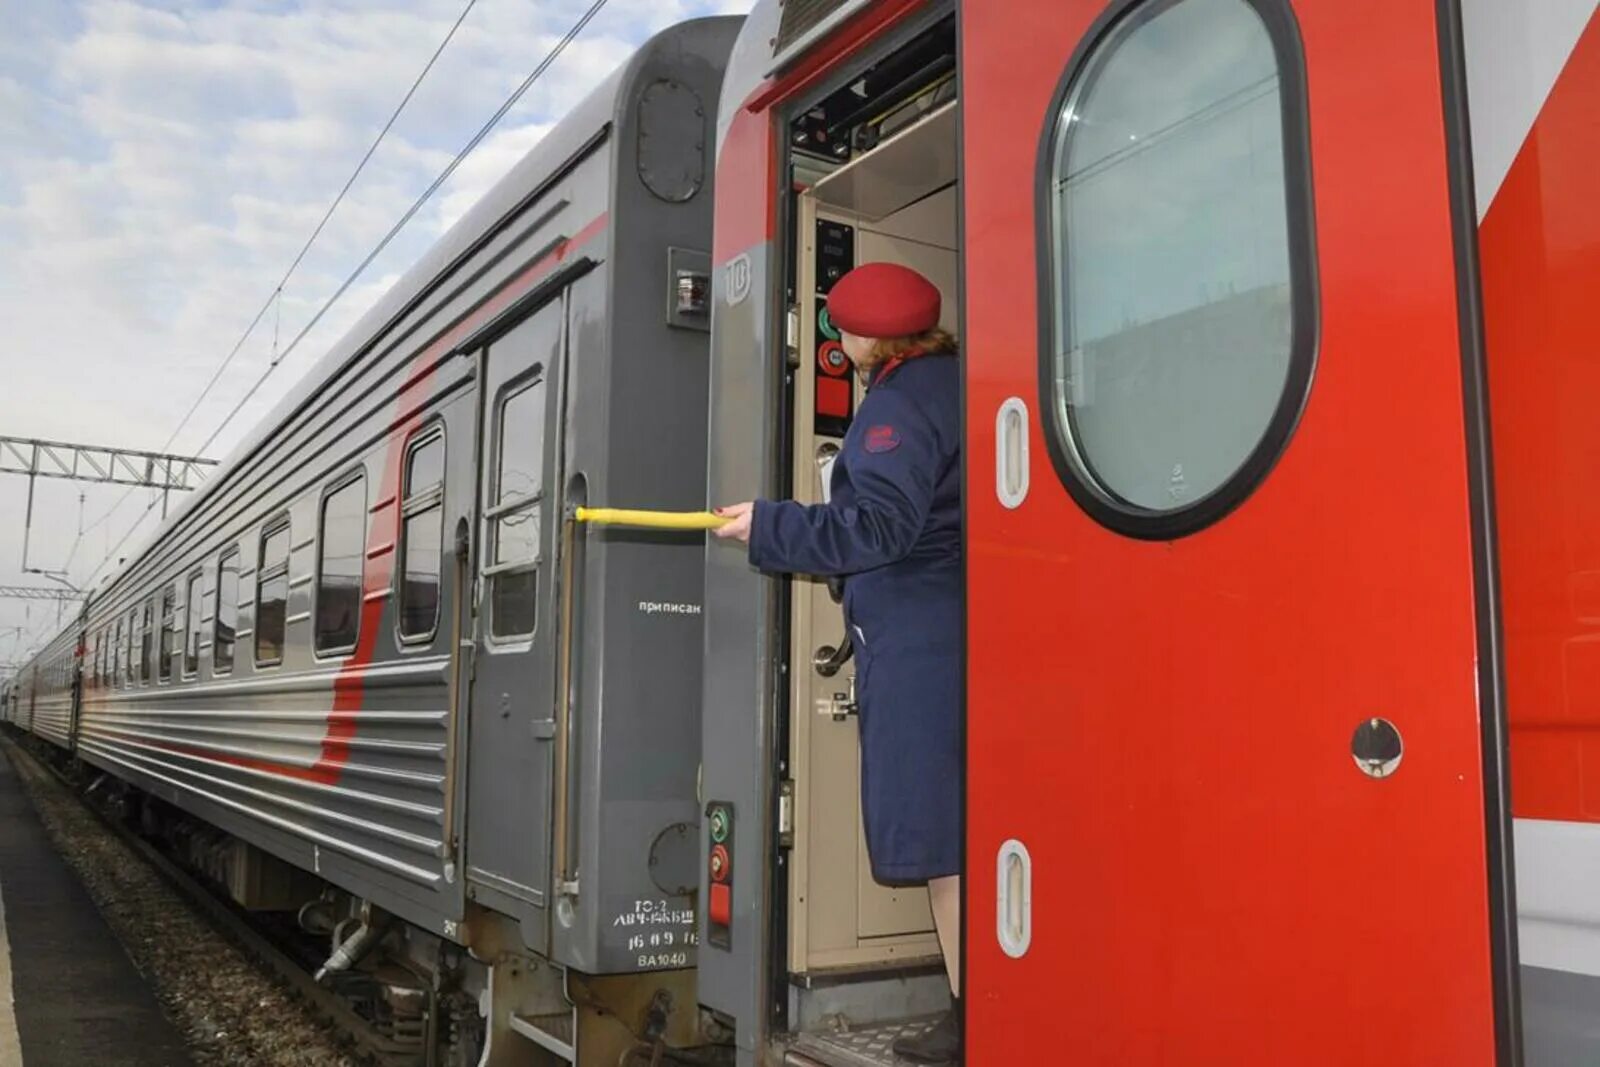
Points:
[69,994]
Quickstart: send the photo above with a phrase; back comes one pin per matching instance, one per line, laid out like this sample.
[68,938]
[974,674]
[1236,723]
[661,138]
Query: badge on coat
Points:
[881,439]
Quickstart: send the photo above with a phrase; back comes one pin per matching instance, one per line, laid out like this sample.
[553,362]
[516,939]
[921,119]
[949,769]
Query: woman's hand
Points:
[738,526]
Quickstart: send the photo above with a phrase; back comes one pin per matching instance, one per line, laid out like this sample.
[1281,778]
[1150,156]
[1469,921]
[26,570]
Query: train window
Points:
[146,640]
[272,593]
[519,488]
[225,625]
[116,655]
[169,632]
[422,536]
[191,626]
[1179,279]
[343,536]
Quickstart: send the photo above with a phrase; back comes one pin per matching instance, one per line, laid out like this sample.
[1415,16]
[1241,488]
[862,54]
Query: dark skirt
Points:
[911,766]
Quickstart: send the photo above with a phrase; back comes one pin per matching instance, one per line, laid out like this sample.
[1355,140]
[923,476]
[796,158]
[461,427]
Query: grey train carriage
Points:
[53,692]
[366,653]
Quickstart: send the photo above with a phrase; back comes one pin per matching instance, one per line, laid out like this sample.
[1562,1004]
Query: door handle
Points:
[566,879]
[829,660]
[1014,899]
[1011,453]
[461,650]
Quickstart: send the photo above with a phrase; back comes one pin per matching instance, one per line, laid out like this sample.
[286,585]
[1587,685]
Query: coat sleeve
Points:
[893,464]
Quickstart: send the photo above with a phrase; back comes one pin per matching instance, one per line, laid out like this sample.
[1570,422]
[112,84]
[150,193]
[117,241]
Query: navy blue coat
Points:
[892,527]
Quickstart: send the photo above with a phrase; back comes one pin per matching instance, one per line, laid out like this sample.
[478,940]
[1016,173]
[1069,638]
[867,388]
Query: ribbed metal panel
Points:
[801,17]
[47,712]
[367,785]
[52,717]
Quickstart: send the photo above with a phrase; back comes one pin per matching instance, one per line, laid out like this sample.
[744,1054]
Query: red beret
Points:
[884,300]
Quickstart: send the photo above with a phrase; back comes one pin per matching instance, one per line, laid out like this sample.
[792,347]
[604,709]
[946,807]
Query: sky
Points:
[162,162]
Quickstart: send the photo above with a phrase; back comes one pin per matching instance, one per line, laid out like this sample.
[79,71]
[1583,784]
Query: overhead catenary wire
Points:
[275,298]
[111,552]
[444,176]
[280,356]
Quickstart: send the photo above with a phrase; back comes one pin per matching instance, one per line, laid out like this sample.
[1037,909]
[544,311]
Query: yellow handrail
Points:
[652,520]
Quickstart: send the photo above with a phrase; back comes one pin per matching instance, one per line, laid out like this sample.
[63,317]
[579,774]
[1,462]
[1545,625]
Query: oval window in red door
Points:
[1178,293]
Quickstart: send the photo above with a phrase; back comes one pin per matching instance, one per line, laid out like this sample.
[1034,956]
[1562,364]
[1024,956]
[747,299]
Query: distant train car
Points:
[22,694]
[371,648]
[56,689]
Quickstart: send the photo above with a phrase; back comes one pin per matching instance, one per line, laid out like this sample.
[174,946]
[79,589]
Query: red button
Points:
[833,397]
[832,358]
[722,905]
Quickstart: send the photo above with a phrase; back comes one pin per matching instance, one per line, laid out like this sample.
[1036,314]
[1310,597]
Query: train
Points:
[362,655]
[1278,470]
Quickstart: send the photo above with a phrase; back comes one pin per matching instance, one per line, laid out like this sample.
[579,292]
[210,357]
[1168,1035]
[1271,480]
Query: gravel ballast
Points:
[229,1009]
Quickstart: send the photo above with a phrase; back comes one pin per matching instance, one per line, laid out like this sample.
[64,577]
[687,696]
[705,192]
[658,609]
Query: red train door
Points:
[1235,792]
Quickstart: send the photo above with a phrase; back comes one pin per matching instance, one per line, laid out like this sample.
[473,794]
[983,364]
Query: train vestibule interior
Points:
[873,171]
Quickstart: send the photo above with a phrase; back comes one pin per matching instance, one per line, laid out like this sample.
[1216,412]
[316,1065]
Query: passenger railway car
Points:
[366,653]
[53,698]
[1279,526]
[22,696]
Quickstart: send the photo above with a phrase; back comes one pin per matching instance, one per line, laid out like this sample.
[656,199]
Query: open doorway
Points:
[873,170]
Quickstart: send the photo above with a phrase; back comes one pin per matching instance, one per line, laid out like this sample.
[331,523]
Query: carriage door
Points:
[511,727]
[1232,666]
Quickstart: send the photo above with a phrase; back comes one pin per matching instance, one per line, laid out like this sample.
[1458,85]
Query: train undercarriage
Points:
[406,997]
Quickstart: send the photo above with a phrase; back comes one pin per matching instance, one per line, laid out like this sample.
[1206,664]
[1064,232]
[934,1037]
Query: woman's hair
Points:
[937,339]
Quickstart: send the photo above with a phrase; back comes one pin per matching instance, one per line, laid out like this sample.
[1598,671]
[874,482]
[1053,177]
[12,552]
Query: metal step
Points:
[553,1033]
[865,1046]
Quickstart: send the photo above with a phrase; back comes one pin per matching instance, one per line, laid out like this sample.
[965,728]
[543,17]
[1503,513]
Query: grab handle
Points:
[566,879]
[651,520]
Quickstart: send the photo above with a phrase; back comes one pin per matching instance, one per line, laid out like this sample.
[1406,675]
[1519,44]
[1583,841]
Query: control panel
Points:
[719,875]
[836,252]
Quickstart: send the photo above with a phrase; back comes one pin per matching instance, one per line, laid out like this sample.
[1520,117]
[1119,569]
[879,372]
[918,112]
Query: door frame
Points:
[1499,843]
[832,63]
[535,915]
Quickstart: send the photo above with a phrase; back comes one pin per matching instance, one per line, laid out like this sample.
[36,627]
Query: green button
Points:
[825,324]
[719,825]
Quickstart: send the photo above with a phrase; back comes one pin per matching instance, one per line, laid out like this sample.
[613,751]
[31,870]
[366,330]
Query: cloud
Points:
[164,163]
[499,152]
